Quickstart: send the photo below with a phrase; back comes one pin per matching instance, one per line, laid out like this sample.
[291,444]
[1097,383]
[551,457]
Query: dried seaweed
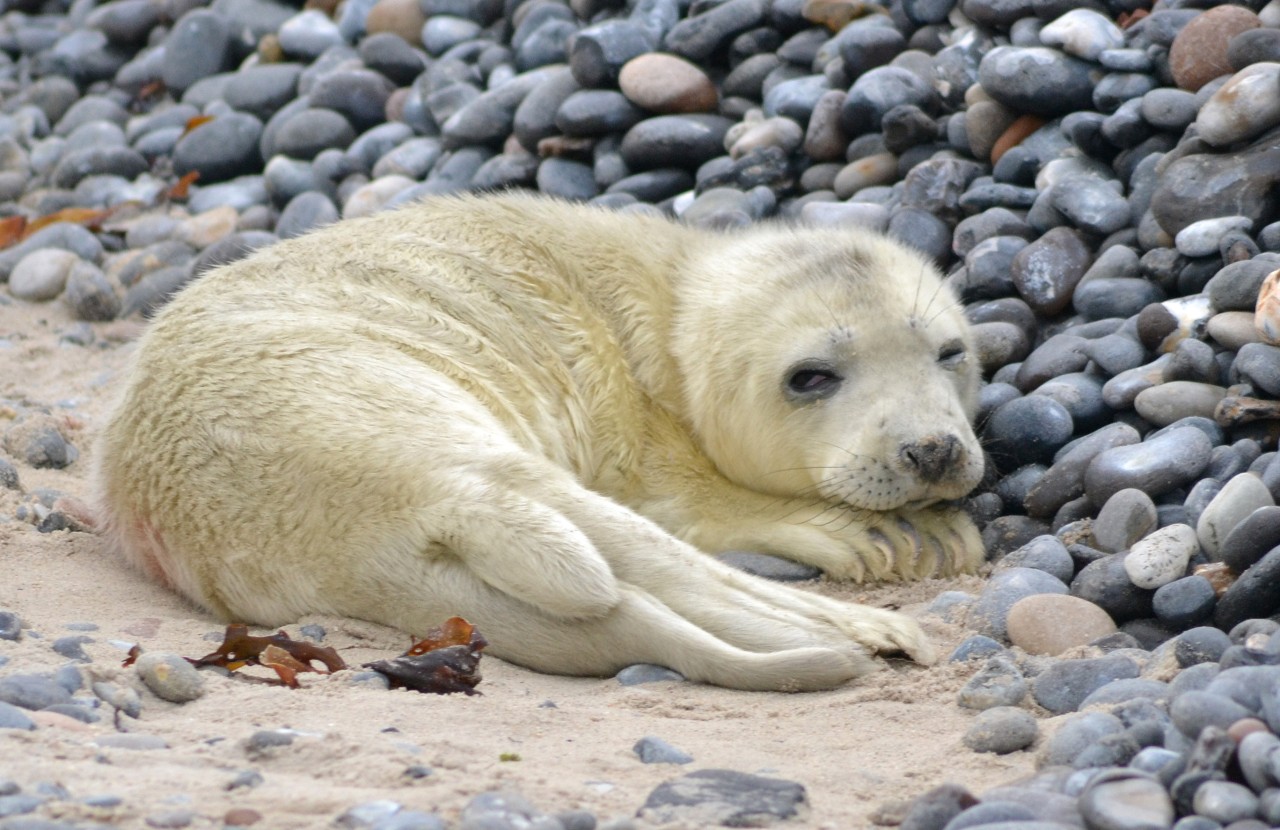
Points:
[446,660]
[278,652]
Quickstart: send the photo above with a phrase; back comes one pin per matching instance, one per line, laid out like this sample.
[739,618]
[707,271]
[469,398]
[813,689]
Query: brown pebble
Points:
[1245,726]
[1219,575]
[666,83]
[836,14]
[401,17]
[270,50]
[1022,127]
[241,817]
[1052,623]
[1199,52]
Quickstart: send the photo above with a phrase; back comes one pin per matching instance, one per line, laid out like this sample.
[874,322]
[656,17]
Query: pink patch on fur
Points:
[144,544]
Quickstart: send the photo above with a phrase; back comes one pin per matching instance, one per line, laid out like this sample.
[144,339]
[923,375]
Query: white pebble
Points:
[1202,238]
[1083,33]
[1245,106]
[1161,557]
[41,275]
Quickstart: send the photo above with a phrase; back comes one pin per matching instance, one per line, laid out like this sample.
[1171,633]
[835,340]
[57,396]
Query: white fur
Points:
[529,414]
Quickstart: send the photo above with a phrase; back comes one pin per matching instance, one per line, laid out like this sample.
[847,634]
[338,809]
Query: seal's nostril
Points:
[932,457]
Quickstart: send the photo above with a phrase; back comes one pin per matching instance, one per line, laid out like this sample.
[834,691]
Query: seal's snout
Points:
[932,457]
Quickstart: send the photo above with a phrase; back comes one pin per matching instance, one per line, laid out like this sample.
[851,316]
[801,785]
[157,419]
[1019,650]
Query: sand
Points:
[883,739]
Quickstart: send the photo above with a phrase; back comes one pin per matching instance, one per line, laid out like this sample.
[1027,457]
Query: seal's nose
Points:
[932,457]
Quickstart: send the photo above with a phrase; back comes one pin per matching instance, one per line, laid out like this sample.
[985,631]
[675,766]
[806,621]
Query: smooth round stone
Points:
[1254,754]
[796,98]
[1155,466]
[1239,497]
[376,142]
[11,717]
[391,56]
[652,750]
[359,95]
[1204,185]
[1166,403]
[1084,33]
[1199,52]
[1047,271]
[1249,540]
[975,647]
[1062,686]
[1225,802]
[989,613]
[220,149]
[1077,734]
[598,53]
[1193,711]
[33,692]
[1092,206]
[414,158]
[1043,553]
[879,90]
[75,166]
[597,112]
[262,90]
[1233,329]
[1126,517]
[307,133]
[1001,730]
[170,677]
[998,683]
[1245,107]
[667,84]
[308,34]
[1256,594]
[689,140]
[90,294]
[201,44]
[1184,602]
[1027,430]
[1169,109]
[1106,584]
[1259,363]
[41,274]
[869,171]
[1161,557]
[999,344]
[1126,691]
[769,567]
[1126,800]
[642,673]
[1201,645]
[746,136]
[443,32]
[1202,238]
[305,212]
[566,179]
[1036,80]
[1051,624]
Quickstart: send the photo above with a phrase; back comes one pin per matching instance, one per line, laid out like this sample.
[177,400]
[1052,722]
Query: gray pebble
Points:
[769,566]
[989,614]
[30,691]
[1126,799]
[1225,802]
[1065,684]
[723,797]
[1001,730]
[170,677]
[1184,602]
[1157,465]
[645,673]
[653,750]
[998,683]
[11,717]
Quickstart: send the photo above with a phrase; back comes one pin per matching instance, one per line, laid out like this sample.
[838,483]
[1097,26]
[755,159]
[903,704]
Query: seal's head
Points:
[830,363]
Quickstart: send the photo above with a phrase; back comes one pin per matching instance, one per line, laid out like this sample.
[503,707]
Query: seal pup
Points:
[533,414]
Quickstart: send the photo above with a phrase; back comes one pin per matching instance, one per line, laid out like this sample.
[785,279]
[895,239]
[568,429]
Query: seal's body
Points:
[531,414]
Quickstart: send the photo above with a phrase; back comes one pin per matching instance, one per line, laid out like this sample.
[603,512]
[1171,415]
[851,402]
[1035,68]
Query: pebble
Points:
[1126,799]
[642,673]
[1161,557]
[1051,624]
[653,750]
[41,275]
[999,683]
[989,614]
[1199,52]
[1001,730]
[1155,466]
[1126,517]
[723,797]
[666,84]
[1239,498]
[170,677]
[1065,684]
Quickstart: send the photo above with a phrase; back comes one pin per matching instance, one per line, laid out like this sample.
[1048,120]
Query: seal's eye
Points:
[951,355]
[809,383]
